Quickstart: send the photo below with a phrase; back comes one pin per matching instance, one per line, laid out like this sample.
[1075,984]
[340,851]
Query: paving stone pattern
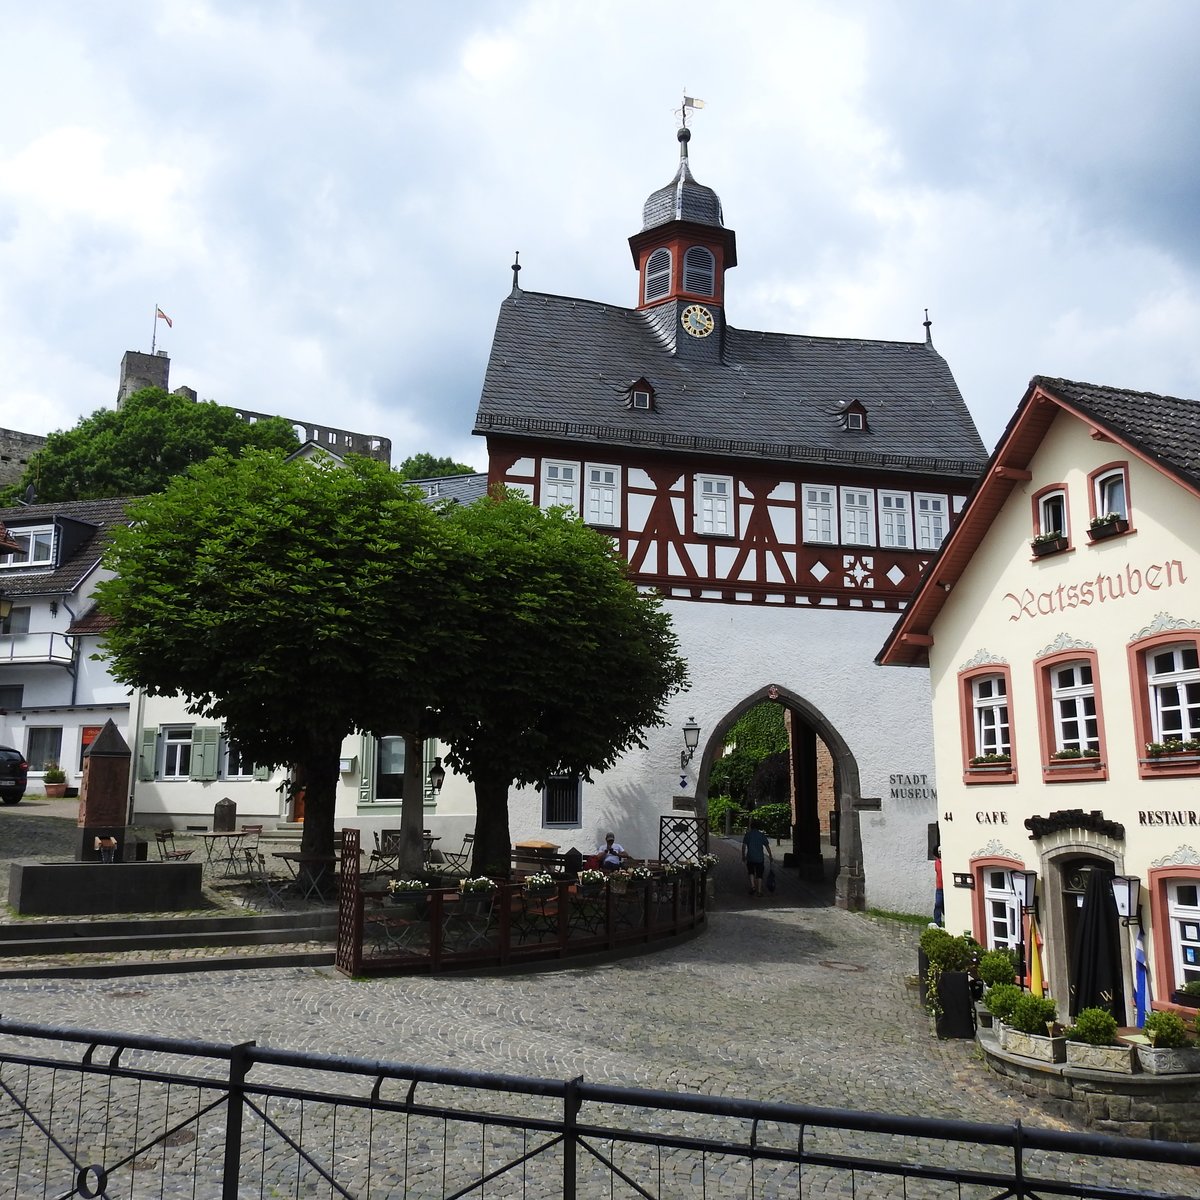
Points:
[784,998]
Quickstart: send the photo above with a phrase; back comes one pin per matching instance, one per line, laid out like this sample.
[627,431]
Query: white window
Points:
[234,763]
[858,517]
[1052,513]
[641,399]
[36,547]
[1173,675]
[389,767]
[561,802]
[714,498]
[699,271]
[560,485]
[820,524]
[895,520]
[1183,913]
[177,752]
[855,422]
[17,622]
[1073,697]
[658,274]
[989,698]
[1111,494]
[931,521]
[43,744]
[1003,913]
[602,505]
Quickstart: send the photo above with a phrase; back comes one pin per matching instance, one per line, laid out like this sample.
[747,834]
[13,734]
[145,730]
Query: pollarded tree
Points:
[295,602]
[136,449]
[563,662]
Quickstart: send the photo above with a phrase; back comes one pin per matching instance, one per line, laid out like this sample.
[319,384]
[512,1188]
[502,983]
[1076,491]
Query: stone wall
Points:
[16,449]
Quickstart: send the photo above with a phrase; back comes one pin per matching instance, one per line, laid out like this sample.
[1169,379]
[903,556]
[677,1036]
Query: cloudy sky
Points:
[326,198]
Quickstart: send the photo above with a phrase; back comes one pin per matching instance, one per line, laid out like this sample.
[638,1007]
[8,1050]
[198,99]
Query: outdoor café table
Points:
[222,849]
[310,881]
[429,839]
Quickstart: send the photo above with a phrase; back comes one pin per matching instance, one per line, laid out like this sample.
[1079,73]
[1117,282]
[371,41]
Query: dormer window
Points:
[639,395]
[853,417]
[855,420]
[699,271]
[641,399]
[36,547]
[658,274]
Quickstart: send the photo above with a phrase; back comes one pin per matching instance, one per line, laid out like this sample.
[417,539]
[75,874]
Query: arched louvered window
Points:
[658,274]
[699,270]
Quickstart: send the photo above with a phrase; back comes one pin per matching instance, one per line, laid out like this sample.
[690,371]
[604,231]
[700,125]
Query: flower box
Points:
[1101,529]
[1043,546]
[1033,1045]
[1184,1060]
[1102,1058]
[1186,999]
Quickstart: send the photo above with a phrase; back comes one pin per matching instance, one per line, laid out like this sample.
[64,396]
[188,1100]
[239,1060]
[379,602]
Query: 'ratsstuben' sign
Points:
[1101,589]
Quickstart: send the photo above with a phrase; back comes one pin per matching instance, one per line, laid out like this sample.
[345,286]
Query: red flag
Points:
[160,315]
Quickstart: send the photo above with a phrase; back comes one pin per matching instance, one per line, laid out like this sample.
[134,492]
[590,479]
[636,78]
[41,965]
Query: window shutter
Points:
[261,773]
[149,754]
[699,271]
[366,779]
[205,741]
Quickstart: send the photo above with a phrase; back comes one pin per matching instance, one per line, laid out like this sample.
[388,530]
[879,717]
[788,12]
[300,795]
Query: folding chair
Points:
[253,833]
[460,860]
[386,855]
[166,847]
[272,885]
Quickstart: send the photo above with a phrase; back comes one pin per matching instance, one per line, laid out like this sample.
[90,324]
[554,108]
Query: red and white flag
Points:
[162,316]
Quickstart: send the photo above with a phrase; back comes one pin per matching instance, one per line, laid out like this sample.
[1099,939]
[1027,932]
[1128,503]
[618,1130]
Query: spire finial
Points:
[928,327]
[516,269]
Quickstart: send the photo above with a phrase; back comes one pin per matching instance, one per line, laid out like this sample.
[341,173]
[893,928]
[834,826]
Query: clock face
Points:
[697,320]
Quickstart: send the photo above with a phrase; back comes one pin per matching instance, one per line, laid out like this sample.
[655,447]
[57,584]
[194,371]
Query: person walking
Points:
[756,849]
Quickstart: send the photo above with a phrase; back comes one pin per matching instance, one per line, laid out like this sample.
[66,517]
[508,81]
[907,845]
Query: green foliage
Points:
[1001,998]
[53,773]
[1096,1026]
[1191,988]
[1032,1014]
[718,806]
[425,466]
[997,966]
[775,820]
[760,732]
[947,951]
[1166,1030]
[135,450]
[731,774]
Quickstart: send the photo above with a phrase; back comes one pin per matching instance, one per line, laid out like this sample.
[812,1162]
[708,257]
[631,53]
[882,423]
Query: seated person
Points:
[612,854]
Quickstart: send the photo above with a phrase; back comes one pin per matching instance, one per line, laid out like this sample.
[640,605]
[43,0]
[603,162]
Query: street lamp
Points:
[1126,890]
[1024,883]
[691,739]
[437,775]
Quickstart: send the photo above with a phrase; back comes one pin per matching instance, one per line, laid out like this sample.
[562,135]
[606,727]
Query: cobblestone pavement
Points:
[784,999]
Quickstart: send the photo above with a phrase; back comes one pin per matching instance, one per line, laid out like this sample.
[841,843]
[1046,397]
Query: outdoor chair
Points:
[253,833]
[386,855]
[167,851]
[460,860]
[273,887]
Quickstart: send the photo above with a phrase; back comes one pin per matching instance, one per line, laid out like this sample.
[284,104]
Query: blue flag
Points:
[1142,984]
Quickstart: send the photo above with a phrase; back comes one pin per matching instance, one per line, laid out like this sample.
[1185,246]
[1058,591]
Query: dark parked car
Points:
[13,773]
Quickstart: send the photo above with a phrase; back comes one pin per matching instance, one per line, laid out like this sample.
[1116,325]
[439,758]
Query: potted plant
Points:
[1172,747]
[54,779]
[1048,543]
[1092,1043]
[991,762]
[1000,999]
[409,892]
[1170,1050]
[1188,995]
[591,882]
[476,893]
[994,969]
[1030,1030]
[541,884]
[1107,525]
[947,984]
[1073,752]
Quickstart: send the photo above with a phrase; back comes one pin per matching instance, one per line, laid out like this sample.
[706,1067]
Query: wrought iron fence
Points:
[92,1114]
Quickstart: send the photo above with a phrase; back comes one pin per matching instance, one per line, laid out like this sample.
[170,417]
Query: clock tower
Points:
[682,254]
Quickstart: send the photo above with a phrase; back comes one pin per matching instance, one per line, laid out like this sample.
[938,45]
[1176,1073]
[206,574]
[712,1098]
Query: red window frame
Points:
[1143,722]
[994,773]
[1066,770]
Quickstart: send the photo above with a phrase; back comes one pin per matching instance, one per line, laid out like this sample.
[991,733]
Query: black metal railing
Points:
[90,1114]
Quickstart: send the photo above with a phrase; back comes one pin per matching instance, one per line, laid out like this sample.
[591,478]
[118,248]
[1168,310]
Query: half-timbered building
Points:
[784,493]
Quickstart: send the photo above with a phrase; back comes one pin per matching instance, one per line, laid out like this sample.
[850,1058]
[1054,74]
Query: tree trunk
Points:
[412,809]
[319,764]
[493,845]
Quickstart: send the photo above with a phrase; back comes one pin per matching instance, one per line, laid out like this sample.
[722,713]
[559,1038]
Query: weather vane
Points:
[688,102]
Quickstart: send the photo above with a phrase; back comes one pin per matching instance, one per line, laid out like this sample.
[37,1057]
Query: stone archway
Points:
[810,733]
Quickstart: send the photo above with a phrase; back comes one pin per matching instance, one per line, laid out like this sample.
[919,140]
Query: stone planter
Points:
[1102,1058]
[983,1018]
[1033,1045]
[56,791]
[1169,1061]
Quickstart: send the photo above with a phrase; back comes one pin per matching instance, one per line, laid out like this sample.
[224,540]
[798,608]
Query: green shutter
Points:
[149,754]
[261,773]
[206,740]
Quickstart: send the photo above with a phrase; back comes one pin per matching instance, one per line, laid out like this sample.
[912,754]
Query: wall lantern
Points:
[1024,883]
[1126,890]
[691,739]
[437,775]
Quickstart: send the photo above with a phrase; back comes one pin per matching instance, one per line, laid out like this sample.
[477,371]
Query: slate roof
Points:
[560,367]
[683,199]
[1166,428]
[79,564]
[461,488]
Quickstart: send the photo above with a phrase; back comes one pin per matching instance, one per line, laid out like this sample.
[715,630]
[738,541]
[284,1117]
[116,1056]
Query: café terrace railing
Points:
[442,930]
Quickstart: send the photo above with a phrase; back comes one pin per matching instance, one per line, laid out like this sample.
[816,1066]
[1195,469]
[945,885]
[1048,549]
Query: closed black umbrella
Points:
[1096,975]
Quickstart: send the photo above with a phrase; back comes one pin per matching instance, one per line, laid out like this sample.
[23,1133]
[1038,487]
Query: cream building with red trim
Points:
[1065,672]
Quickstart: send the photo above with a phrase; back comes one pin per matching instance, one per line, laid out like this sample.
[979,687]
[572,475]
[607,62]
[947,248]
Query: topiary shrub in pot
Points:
[947,985]
[1000,999]
[1170,1052]
[1027,1029]
[997,966]
[1092,1043]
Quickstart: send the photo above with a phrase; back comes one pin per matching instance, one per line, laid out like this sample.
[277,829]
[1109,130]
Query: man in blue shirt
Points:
[756,845]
